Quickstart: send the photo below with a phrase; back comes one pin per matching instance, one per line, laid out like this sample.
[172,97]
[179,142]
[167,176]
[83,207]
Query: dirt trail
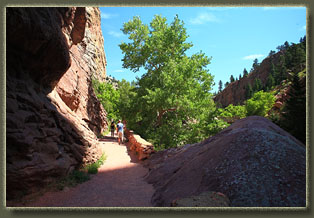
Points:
[118,183]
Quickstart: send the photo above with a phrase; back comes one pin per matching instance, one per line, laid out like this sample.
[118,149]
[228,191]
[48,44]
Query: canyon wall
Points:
[52,114]
[234,93]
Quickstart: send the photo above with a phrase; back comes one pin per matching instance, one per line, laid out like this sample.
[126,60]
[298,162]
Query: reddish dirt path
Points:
[118,183]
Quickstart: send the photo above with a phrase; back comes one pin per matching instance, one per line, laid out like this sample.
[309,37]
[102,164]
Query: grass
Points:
[74,178]
[79,176]
[93,168]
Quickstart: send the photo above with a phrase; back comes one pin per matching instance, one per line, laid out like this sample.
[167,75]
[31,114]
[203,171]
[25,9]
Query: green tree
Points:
[295,57]
[271,53]
[226,84]
[294,111]
[260,103]
[127,95]
[257,85]
[231,79]
[232,113]
[281,70]
[272,69]
[109,98]
[248,91]
[173,96]
[270,82]
[245,73]
[220,86]
[255,64]
[286,45]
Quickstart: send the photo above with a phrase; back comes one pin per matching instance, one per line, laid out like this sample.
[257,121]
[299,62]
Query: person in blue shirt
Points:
[120,132]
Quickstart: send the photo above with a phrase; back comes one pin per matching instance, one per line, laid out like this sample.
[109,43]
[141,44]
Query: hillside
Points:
[287,60]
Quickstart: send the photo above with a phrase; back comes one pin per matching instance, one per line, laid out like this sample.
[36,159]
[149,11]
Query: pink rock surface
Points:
[253,162]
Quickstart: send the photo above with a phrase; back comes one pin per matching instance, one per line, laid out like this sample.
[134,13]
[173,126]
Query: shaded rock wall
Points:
[52,113]
[253,162]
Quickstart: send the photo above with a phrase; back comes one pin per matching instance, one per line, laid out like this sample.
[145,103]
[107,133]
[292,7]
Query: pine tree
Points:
[281,70]
[271,53]
[270,82]
[220,86]
[254,65]
[226,84]
[248,91]
[294,111]
[286,45]
[257,85]
[231,79]
[240,76]
[245,73]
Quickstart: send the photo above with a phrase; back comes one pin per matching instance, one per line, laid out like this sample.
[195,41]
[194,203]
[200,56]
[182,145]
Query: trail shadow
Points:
[120,187]
[108,139]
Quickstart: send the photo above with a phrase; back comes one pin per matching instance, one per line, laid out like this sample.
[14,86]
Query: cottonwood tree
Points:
[173,95]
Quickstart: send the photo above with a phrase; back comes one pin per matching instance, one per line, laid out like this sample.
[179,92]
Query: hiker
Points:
[112,128]
[120,131]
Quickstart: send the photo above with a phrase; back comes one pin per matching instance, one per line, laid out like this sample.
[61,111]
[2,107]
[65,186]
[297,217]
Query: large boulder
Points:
[253,162]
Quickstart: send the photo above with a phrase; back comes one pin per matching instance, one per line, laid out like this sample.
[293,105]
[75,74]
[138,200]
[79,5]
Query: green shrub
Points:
[79,176]
[260,103]
[74,178]
[92,168]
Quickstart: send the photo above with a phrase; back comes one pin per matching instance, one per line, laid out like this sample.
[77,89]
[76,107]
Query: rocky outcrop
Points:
[141,147]
[253,162]
[88,62]
[234,93]
[52,113]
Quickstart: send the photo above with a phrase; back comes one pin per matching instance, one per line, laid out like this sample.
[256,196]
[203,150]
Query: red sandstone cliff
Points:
[234,93]
[52,113]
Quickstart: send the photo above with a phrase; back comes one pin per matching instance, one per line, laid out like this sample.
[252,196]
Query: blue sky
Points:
[232,36]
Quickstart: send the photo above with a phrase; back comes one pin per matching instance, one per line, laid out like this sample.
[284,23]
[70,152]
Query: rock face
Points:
[253,162]
[52,113]
[205,199]
[142,148]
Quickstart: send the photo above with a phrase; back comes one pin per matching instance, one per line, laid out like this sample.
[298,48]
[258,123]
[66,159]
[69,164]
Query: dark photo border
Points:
[154,212]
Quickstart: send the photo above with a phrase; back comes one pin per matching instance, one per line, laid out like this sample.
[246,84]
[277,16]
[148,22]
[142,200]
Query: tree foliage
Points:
[260,103]
[173,96]
[232,113]
[245,73]
[294,111]
[220,86]
[109,98]
[231,79]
